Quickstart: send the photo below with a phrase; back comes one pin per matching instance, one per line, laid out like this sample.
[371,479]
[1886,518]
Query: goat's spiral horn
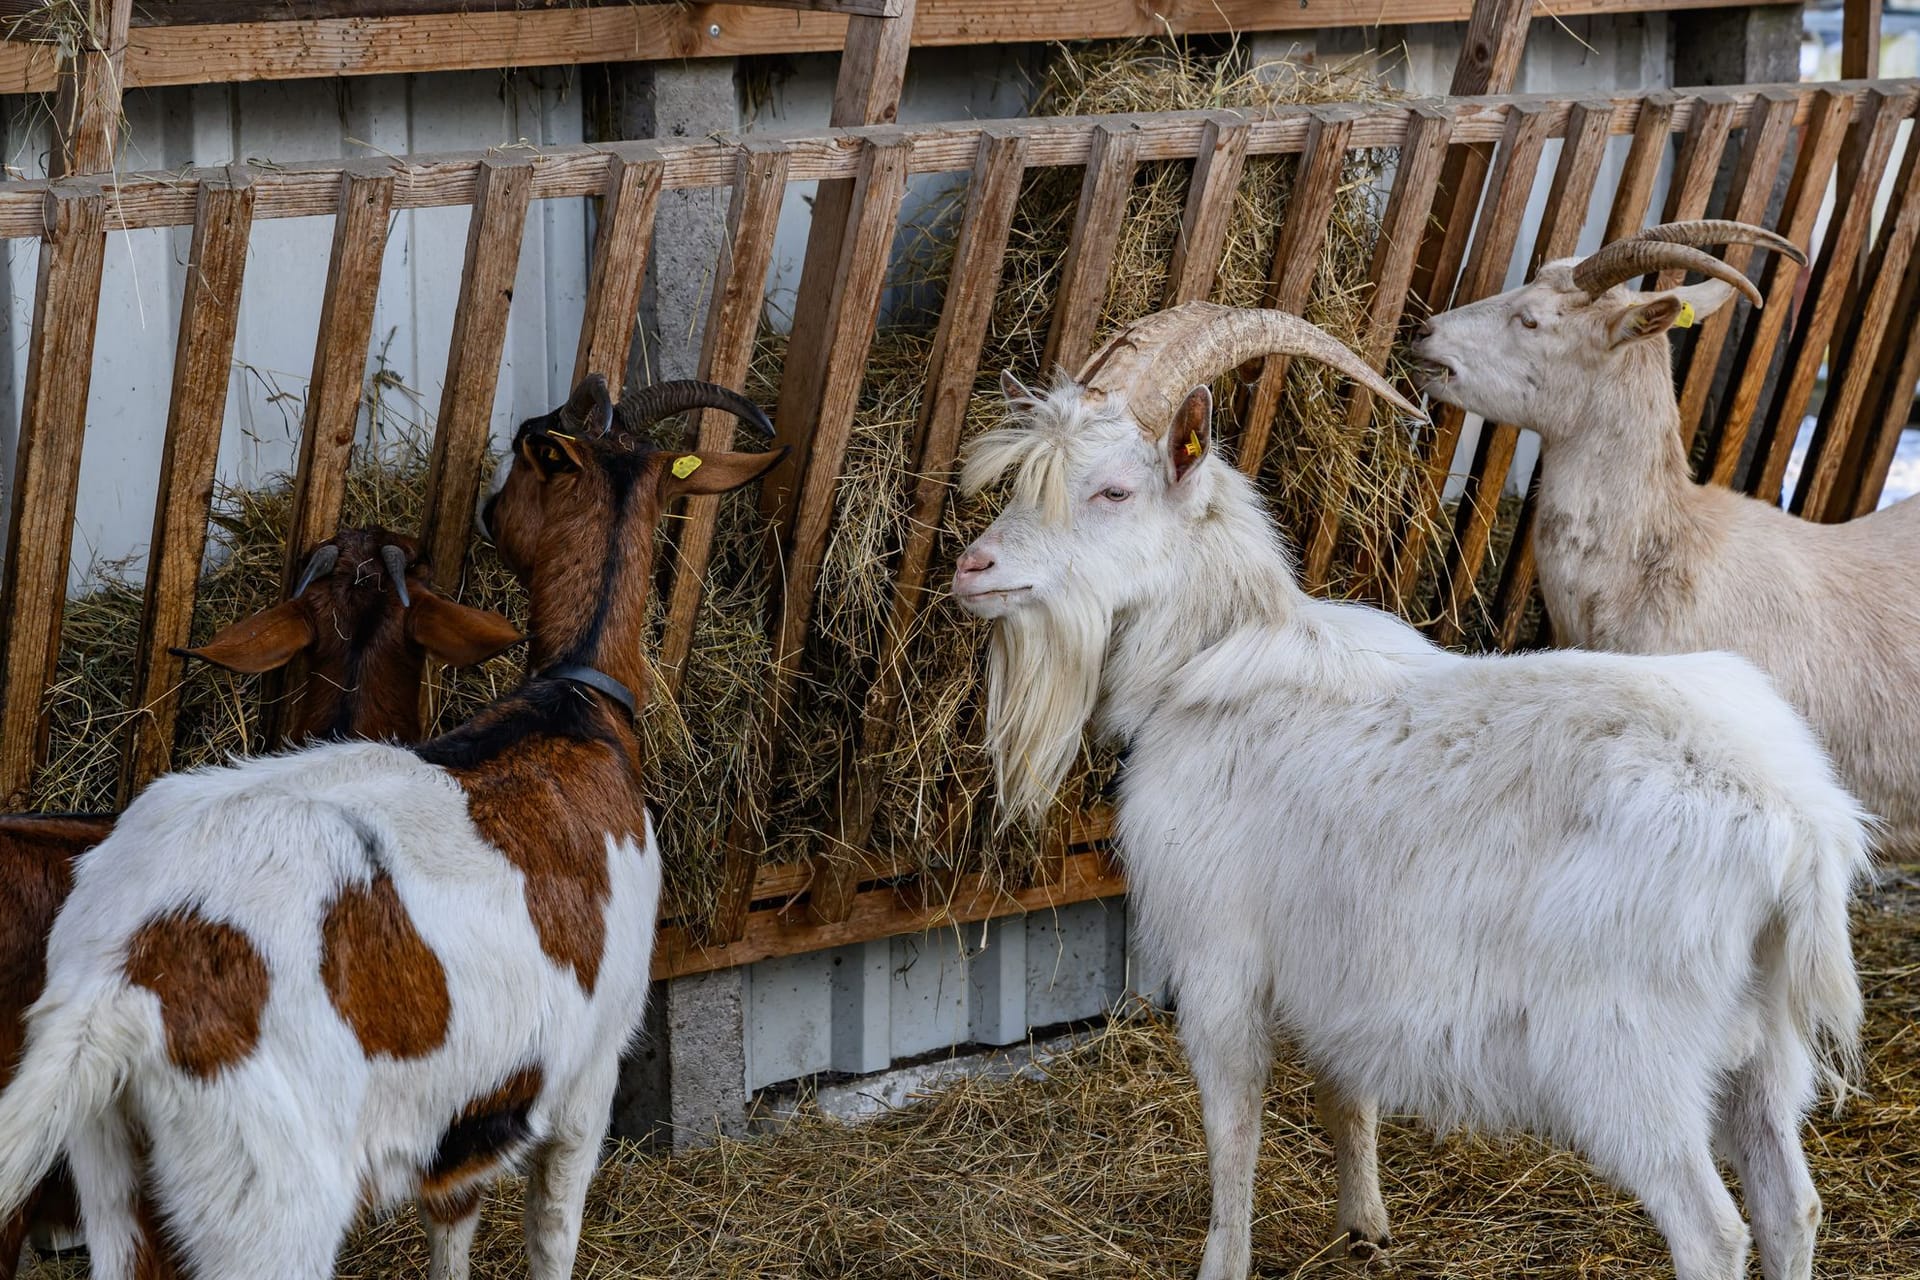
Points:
[396,561]
[1671,245]
[1157,361]
[319,565]
[664,399]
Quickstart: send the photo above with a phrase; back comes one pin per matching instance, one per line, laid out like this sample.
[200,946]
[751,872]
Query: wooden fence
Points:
[1854,312]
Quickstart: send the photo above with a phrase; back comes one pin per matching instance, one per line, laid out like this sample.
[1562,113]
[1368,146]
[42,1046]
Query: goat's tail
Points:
[1821,988]
[76,1062]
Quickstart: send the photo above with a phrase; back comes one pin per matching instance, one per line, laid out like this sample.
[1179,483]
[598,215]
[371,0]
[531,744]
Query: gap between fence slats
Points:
[1843,433]
[1569,198]
[952,369]
[1395,252]
[196,411]
[464,426]
[1296,259]
[619,270]
[1755,177]
[1859,179]
[1819,150]
[726,352]
[1090,253]
[46,472]
[1210,200]
[1512,185]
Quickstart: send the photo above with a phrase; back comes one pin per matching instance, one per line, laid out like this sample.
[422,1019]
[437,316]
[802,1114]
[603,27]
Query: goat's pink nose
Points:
[974,560]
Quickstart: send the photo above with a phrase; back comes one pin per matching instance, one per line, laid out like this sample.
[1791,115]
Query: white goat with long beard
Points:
[1600,898]
[1635,557]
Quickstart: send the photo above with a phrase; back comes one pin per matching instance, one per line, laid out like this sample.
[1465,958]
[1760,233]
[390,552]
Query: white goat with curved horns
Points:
[1635,557]
[1602,898]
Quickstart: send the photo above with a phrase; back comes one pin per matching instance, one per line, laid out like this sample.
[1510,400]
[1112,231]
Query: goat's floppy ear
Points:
[1675,309]
[552,453]
[1191,434]
[690,473]
[265,641]
[456,634]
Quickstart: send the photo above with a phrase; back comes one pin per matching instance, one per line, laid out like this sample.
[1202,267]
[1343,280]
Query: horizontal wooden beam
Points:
[482,37]
[312,190]
[183,13]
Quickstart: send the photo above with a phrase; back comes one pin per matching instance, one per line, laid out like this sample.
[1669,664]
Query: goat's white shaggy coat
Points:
[1635,557]
[281,1148]
[1600,898]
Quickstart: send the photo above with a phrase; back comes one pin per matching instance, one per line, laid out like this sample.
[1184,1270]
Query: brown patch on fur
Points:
[452,1207]
[212,986]
[487,1130]
[36,874]
[383,979]
[583,791]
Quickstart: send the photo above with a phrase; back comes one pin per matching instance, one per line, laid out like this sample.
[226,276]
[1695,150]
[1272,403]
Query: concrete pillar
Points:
[706,1057]
[694,99]
[1737,46]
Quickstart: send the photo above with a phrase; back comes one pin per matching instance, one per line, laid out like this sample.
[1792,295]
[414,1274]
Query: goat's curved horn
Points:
[1671,245]
[396,561]
[1155,362]
[319,565]
[664,399]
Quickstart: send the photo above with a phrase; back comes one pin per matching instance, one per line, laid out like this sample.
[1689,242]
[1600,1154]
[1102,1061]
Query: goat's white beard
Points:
[1043,682]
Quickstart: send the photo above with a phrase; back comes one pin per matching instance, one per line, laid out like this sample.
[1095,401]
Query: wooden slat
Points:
[86,111]
[726,351]
[1485,273]
[1512,185]
[1754,179]
[1697,166]
[1645,155]
[1890,399]
[177,13]
[954,366]
[867,92]
[202,371]
[1569,198]
[619,269]
[1210,197]
[1847,229]
[339,362]
[465,422]
[1296,256]
[1860,40]
[852,314]
[1820,140]
[46,472]
[1395,250]
[1844,434]
[1096,238]
[571,35]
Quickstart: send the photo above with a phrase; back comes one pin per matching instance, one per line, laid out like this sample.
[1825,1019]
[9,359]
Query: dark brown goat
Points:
[366,619]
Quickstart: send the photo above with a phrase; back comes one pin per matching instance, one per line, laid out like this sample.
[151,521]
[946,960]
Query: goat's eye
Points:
[1115,494]
[1526,320]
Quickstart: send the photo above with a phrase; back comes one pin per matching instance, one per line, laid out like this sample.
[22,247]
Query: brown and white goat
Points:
[1635,557]
[361,973]
[365,617]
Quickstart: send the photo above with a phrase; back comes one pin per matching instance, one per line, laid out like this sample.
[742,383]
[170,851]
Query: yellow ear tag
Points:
[685,465]
[1193,446]
[1685,319]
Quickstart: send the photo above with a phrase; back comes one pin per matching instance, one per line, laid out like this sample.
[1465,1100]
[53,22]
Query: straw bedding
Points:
[701,760]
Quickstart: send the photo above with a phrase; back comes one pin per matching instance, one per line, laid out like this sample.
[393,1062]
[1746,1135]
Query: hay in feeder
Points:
[1094,1165]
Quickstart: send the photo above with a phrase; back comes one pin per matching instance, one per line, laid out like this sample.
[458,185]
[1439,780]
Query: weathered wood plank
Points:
[1698,164]
[619,271]
[1210,197]
[1395,252]
[465,422]
[1833,275]
[1096,238]
[1652,131]
[1296,255]
[202,372]
[978,258]
[46,472]
[179,13]
[726,352]
[1890,399]
[86,109]
[1820,140]
[1860,40]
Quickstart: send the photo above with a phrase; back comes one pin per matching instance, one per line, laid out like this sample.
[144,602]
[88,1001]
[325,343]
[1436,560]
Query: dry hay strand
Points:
[1093,1164]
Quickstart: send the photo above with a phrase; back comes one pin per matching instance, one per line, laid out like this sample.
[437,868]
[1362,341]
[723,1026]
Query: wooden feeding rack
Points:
[1807,137]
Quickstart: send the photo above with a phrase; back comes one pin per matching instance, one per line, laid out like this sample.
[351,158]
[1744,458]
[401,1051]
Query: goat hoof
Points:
[1366,1250]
